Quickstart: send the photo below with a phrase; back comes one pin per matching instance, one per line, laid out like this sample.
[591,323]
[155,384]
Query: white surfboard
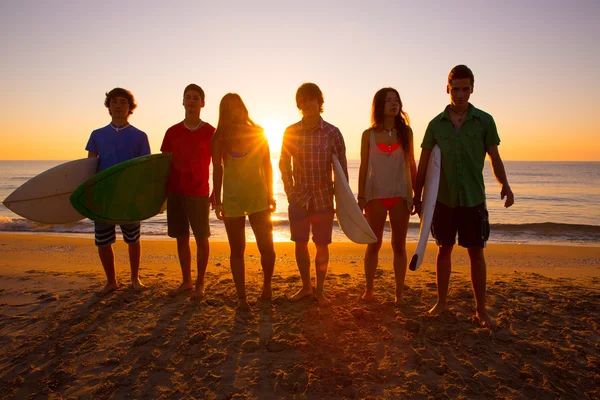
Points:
[351,219]
[45,197]
[430,192]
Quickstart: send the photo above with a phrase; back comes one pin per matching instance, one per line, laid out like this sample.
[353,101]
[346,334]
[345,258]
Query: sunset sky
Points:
[536,65]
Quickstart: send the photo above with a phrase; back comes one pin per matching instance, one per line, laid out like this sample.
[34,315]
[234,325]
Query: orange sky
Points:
[538,79]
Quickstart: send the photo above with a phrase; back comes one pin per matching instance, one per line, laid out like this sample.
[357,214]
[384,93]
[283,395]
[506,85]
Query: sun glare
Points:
[274,133]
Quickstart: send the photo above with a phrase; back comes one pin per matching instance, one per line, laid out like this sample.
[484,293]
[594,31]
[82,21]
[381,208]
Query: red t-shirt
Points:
[191,159]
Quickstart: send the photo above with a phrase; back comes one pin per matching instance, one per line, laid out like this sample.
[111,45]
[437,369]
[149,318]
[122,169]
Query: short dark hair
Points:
[461,72]
[120,92]
[195,88]
[310,91]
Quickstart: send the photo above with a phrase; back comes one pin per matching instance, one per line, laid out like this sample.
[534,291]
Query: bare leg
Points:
[107,258]
[236,234]
[399,216]
[135,255]
[478,278]
[376,215]
[321,265]
[444,268]
[185,261]
[303,262]
[203,251]
[263,231]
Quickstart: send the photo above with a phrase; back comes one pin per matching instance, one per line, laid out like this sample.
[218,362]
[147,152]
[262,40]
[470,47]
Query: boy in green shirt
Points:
[465,135]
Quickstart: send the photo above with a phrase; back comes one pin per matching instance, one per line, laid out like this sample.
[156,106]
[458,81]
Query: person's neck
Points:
[119,122]
[389,123]
[192,121]
[459,109]
[312,121]
[192,118]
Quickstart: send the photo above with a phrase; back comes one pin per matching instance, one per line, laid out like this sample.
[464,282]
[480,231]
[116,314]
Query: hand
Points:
[416,207]
[510,197]
[219,213]
[272,204]
[362,204]
[291,198]
[212,200]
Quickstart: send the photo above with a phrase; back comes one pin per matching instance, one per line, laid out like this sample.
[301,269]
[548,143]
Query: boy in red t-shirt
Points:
[188,201]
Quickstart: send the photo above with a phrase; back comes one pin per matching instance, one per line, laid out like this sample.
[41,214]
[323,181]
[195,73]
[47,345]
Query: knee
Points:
[373,248]
[266,251]
[237,252]
[399,246]
[476,255]
[445,251]
[268,254]
[183,241]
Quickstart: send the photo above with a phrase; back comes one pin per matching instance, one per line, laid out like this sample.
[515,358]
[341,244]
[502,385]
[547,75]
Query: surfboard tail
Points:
[414,263]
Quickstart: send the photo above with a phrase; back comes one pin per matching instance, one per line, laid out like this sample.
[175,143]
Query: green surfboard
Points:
[128,192]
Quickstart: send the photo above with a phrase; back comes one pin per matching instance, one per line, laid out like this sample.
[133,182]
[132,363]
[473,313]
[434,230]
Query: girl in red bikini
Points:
[385,183]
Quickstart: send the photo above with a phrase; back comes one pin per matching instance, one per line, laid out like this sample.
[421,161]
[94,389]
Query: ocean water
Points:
[555,203]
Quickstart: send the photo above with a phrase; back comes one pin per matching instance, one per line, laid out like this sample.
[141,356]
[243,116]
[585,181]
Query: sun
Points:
[274,133]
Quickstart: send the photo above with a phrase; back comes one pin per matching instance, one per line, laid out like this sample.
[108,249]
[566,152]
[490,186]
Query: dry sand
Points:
[58,340]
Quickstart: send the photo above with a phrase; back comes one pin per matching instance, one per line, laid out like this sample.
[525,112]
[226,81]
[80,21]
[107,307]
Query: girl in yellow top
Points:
[385,183]
[242,168]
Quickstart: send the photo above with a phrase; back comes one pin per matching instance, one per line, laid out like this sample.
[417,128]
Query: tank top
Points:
[244,184]
[388,173]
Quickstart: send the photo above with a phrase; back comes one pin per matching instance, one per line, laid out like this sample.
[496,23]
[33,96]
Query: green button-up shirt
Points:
[463,155]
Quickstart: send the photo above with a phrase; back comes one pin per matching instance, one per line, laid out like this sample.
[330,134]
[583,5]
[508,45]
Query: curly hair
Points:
[120,92]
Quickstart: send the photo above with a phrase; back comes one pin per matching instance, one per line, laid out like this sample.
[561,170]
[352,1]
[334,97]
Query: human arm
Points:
[92,154]
[426,148]
[144,148]
[362,170]
[217,159]
[285,165]
[500,174]
[420,181]
[339,148]
[268,168]
[411,155]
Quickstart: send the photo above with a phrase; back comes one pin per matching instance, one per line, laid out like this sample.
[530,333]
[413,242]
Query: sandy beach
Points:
[58,340]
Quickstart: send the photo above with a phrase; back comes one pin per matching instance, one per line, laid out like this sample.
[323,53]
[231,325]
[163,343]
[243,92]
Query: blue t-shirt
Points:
[115,147]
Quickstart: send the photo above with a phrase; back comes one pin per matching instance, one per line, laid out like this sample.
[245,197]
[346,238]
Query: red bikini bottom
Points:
[389,202]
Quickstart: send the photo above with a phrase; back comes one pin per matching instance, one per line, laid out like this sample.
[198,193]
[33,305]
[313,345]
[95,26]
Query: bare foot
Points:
[184,287]
[110,287]
[438,309]
[398,301]
[243,305]
[485,320]
[267,293]
[137,285]
[368,296]
[302,293]
[198,293]
[322,300]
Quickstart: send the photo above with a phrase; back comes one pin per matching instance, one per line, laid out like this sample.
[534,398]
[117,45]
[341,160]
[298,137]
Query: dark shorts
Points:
[105,234]
[301,221]
[186,211]
[471,223]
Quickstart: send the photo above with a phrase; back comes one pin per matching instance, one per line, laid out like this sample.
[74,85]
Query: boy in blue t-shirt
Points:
[117,142]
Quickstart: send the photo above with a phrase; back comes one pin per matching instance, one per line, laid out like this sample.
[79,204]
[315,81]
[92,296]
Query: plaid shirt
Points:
[306,164]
